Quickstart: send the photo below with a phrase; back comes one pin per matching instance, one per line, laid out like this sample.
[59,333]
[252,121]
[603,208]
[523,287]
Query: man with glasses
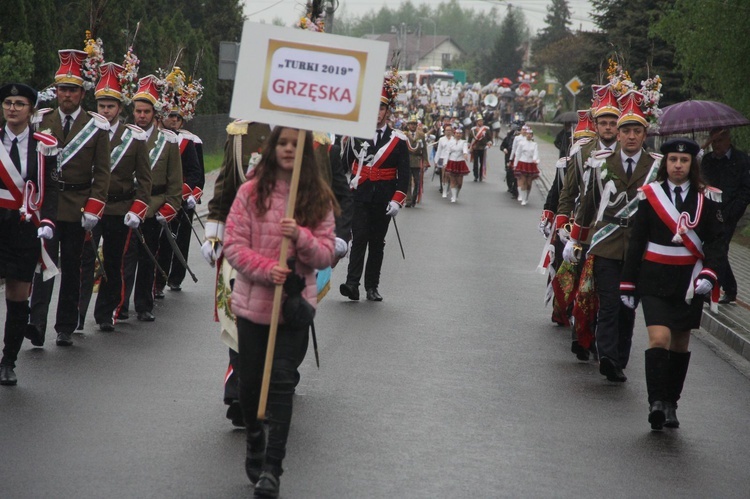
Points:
[82,176]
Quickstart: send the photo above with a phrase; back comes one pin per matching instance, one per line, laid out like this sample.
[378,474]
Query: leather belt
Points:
[125,196]
[377,174]
[65,186]
[619,221]
[158,189]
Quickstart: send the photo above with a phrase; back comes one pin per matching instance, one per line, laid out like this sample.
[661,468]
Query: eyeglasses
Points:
[15,105]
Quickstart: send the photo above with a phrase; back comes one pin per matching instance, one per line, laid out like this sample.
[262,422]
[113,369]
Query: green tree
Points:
[711,59]
[16,62]
[507,53]
[557,24]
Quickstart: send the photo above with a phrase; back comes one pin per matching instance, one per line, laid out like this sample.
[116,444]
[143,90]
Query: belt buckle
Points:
[623,222]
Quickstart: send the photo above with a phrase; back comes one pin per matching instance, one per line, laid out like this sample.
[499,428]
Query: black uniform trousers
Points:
[290,351]
[88,274]
[479,156]
[143,299]
[232,378]
[118,237]
[727,280]
[615,322]
[168,261]
[369,227]
[68,238]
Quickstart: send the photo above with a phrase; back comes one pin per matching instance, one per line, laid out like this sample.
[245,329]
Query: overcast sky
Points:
[534,10]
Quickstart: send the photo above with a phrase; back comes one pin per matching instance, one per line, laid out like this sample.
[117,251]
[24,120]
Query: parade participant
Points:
[728,169]
[166,190]
[255,228]
[562,140]
[127,200]
[28,205]
[506,146]
[480,138]
[441,157]
[82,175]
[194,178]
[675,254]
[380,177]
[525,159]
[415,141]
[607,207]
[455,154]
[589,137]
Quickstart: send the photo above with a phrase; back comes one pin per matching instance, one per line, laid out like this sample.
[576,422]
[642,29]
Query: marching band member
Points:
[28,206]
[676,252]
[480,139]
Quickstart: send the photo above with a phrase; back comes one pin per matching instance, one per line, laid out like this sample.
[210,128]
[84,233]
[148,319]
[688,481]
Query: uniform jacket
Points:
[25,233]
[526,151]
[732,177]
[658,279]
[133,166]
[486,137]
[615,246]
[253,244]
[165,173]
[193,175]
[328,157]
[89,166]
[397,160]
[417,150]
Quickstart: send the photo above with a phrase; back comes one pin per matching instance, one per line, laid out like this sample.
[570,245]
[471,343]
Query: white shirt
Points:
[73,115]
[113,129]
[23,146]
[624,157]
[526,151]
[149,132]
[451,149]
[685,187]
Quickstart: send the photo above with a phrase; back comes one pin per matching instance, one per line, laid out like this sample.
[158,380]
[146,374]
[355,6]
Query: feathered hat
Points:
[632,114]
[605,101]
[109,86]
[148,91]
[585,126]
[70,71]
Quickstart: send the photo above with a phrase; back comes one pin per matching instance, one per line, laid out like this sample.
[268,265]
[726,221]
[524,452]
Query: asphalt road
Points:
[456,385]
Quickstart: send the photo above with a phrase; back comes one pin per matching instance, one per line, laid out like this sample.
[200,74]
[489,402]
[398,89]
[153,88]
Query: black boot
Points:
[256,451]
[678,366]
[15,327]
[268,484]
[657,363]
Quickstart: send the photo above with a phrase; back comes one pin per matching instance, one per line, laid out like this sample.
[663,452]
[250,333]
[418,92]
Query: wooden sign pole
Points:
[280,287]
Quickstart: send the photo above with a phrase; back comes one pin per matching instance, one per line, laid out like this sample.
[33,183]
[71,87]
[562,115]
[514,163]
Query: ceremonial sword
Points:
[150,255]
[399,238]
[177,252]
[96,255]
[187,219]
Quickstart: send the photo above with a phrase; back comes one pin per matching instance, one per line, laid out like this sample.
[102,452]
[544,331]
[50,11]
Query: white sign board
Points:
[308,80]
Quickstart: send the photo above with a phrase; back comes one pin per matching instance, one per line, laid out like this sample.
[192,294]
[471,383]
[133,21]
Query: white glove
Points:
[211,251]
[545,227]
[160,218]
[44,232]
[132,220]
[563,234]
[569,252]
[703,287]
[341,248]
[392,209]
[628,301]
[190,202]
[88,221]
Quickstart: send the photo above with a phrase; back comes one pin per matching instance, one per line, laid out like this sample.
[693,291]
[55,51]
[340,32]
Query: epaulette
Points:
[656,155]
[582,142]
[138,132]
[100,121]
[712,193]
[237,127]
[39,114]
[46,143]
[399,134]
[322,138]
[170,136]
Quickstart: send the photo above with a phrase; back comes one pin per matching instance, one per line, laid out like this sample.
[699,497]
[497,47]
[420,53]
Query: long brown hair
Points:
[314,196]
[694,176]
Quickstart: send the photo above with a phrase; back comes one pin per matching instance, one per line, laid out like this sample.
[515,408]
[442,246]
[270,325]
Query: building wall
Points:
[435,57]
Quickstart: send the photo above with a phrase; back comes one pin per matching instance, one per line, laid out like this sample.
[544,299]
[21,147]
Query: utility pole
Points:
[330,8]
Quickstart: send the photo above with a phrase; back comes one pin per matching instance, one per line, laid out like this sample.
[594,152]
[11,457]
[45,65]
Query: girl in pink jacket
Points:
[255,228]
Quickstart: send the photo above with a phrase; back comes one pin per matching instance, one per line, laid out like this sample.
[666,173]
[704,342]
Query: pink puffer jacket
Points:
[252,245]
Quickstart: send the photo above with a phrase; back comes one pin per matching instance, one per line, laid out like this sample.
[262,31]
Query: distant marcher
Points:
[728,169]
[526,165]
[562,140]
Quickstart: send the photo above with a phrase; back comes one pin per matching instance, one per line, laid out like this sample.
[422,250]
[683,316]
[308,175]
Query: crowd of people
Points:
[626,226]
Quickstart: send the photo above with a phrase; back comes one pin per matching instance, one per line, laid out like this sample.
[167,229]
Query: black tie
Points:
[66,128]
[629,171]
[678,202]
[15,156]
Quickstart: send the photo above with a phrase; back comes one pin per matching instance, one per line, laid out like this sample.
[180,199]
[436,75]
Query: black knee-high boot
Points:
[678,366]
[657,363]
[15,325]
[256,450]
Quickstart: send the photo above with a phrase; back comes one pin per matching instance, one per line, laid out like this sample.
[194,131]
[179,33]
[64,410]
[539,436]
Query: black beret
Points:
[18,89]
[680,144]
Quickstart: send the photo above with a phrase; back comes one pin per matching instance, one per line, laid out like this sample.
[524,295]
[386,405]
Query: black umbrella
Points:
[566,117]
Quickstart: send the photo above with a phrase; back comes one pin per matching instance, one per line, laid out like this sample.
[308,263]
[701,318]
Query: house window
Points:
[446,60]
